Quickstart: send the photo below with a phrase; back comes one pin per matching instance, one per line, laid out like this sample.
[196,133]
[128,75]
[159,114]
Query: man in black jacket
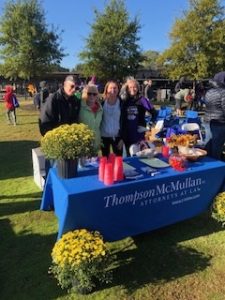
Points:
[61,107]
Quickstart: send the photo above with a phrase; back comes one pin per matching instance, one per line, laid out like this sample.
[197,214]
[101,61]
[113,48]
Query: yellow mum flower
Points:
[218,211]
[80,254]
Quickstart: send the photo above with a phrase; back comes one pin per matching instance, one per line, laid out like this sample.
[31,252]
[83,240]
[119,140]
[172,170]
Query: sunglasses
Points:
[92,94]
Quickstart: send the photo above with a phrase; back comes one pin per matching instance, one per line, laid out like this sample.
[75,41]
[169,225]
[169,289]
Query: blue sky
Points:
[74,16]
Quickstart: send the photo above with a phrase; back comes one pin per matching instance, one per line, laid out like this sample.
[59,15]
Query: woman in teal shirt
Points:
[91,112]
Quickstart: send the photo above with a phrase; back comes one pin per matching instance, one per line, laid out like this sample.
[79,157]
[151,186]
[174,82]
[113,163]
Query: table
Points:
[132,207]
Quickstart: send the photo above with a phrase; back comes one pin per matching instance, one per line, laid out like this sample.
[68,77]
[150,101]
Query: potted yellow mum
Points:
[66,144]
[80,258]
[218,208]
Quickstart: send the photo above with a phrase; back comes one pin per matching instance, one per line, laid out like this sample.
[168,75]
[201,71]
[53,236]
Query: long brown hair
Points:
[104,95]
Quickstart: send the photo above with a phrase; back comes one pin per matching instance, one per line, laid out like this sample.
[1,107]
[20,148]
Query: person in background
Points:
[133,112]
[91,112]
[110,126]
[199,100]
[215,115]
[9,104]
[182,83]
[149,94]
[184,93]
[42,95]
[61,107]
[31,89]
[93,80]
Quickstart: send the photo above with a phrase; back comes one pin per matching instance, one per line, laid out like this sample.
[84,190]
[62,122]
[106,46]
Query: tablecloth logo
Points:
[166,191]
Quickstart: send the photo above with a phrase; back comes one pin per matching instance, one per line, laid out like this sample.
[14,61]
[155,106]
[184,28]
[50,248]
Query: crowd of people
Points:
[118,115]
[114,121]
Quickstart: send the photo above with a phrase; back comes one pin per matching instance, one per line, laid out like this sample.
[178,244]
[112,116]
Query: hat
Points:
[220,78]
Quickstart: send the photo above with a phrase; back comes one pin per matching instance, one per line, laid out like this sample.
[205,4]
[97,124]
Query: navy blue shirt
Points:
[132,116]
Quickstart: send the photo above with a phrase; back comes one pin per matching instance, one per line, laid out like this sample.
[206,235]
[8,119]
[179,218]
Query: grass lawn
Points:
[184,261]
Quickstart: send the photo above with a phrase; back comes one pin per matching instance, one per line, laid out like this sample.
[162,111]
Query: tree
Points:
[150,59]
[79,68]
[28,48]
[112,49]
[58,68]
[198,41]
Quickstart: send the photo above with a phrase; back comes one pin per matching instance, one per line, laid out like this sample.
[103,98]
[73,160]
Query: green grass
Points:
[184,261]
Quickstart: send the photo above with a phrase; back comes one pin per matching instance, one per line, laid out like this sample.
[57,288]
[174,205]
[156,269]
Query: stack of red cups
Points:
[108,174]
[111,159]
[118,169]
[101,169]
[110,170]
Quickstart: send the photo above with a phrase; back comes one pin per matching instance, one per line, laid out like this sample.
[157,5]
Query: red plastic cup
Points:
[111,159]
[118,169]
[165,151]
[108,174]
[101,168]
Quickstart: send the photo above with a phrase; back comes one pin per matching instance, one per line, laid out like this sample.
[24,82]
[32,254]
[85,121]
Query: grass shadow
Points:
[22,196]
[159,258]
[25,123]
[200,225]
[17,207]
[157,262]
[16,159]
[26,278]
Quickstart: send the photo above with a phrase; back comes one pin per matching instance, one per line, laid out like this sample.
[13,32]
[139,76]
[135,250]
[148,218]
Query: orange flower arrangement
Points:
[186,140]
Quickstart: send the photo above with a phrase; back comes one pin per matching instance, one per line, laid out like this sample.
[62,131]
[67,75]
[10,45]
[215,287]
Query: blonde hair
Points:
[125,86]
[134,81]
[89,88]
[106,88]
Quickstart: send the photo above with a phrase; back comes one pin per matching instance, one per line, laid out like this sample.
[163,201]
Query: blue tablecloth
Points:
[133,207]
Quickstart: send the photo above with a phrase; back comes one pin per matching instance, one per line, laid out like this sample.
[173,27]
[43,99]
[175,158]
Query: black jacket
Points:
[58,109]
[215,103]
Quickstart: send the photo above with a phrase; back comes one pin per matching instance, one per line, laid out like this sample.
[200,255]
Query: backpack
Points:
[15,102]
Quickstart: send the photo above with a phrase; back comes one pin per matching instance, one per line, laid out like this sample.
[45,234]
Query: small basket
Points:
[199,154]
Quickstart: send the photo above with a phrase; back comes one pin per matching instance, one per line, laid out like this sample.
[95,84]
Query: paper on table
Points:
[127,167]
[155,162]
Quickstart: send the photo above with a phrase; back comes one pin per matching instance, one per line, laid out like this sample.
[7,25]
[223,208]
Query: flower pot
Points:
[67,168]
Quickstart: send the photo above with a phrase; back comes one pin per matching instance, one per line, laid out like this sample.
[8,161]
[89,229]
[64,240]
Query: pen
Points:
[155,173]
[134,177]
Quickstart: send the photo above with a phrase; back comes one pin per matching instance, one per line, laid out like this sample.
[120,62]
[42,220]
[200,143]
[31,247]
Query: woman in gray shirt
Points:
[110,126]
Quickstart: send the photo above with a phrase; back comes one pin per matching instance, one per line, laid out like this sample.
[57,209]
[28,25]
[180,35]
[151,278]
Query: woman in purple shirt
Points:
[133,112]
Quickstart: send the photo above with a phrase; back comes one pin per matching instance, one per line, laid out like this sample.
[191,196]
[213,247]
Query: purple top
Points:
[132,116]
